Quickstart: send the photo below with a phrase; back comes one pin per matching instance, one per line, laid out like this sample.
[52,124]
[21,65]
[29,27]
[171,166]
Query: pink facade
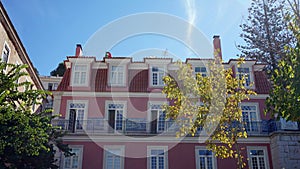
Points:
[112,111]
[180,156]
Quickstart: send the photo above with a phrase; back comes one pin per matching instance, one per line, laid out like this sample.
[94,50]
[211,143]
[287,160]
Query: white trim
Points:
[107,102]
[123,71]
[266,158]
[113,138]
[86,102]
[130,94]
[87,78]
[158,61]
[4,49]
[80,147]
[164,148]
[148,126]
[138,66]
[107,148]
[99,65]
[83,60]
[118,61]
[214,159]
[160,67]
[251,73]
[256,104]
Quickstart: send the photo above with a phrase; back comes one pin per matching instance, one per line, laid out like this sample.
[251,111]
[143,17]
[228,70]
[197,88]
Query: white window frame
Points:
[85,115]
[121,71]
[197,157]
[86,82]
[266,158]
[53,84]
[161,69]
[6,49]
[251,74]
[257,113]
[107,102]
[164,148]
[108,148]
[202,73]
[80,147]
[150,111]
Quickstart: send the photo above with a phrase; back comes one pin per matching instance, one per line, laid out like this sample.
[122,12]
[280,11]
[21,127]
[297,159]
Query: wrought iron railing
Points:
[143,127]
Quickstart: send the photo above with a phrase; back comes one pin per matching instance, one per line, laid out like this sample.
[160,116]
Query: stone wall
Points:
[285,149]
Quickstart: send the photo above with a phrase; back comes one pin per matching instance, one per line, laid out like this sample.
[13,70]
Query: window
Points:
[258,158]
[80,75]
[157,157]
[117,75]
[201,70]
[52,86]
[157,118]
[74,162]
[157,76]
[114,157]
[76,115]
[205,159]
[245,72]
[249,112]
[116,116]
[5,53]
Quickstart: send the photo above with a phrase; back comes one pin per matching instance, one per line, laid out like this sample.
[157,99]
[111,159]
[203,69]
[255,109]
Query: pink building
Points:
[112,109]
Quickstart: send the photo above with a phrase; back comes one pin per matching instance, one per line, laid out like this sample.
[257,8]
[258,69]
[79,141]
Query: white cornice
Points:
[110,94]
[148,139]
[129,94]
[99,65]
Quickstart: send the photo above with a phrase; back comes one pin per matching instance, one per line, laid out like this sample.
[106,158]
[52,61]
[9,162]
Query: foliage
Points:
[59,71]
[284,99]
[27,139]
[265,32]
[219,114]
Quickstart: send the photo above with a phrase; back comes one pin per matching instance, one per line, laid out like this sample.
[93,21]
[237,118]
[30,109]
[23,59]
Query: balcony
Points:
[143,127]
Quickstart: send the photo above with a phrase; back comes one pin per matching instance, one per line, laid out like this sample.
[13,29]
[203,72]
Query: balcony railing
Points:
[142,127]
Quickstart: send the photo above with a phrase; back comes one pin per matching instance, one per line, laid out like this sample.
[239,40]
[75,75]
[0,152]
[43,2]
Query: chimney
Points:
[217,47]
[78,51]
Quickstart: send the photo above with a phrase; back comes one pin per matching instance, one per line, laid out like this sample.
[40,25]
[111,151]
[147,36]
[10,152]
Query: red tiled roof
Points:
[261,82]
[138,80]
[100,80]
[65,82]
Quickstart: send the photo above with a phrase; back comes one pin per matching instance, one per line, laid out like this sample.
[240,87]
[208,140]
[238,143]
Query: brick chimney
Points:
[217,46]
[78,51]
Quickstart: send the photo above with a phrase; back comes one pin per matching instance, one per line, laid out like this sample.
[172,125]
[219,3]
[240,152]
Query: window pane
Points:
[76,77]
[161,162]
[254,163]
[155,69]
[154,76]
[262,163]
[67,162]
[153,162]
[83,78]
[202,163]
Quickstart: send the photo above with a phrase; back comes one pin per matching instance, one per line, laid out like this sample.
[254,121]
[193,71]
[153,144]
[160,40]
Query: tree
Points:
[27,139]
[59,71]
[284,99]
[265,32]
[218,114]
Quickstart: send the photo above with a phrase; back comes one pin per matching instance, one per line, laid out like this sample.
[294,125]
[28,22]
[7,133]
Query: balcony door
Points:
[76,116]
[157,121]
[250,117]
[115,117]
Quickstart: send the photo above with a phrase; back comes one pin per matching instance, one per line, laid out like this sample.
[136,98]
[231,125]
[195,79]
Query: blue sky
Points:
[50,29]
